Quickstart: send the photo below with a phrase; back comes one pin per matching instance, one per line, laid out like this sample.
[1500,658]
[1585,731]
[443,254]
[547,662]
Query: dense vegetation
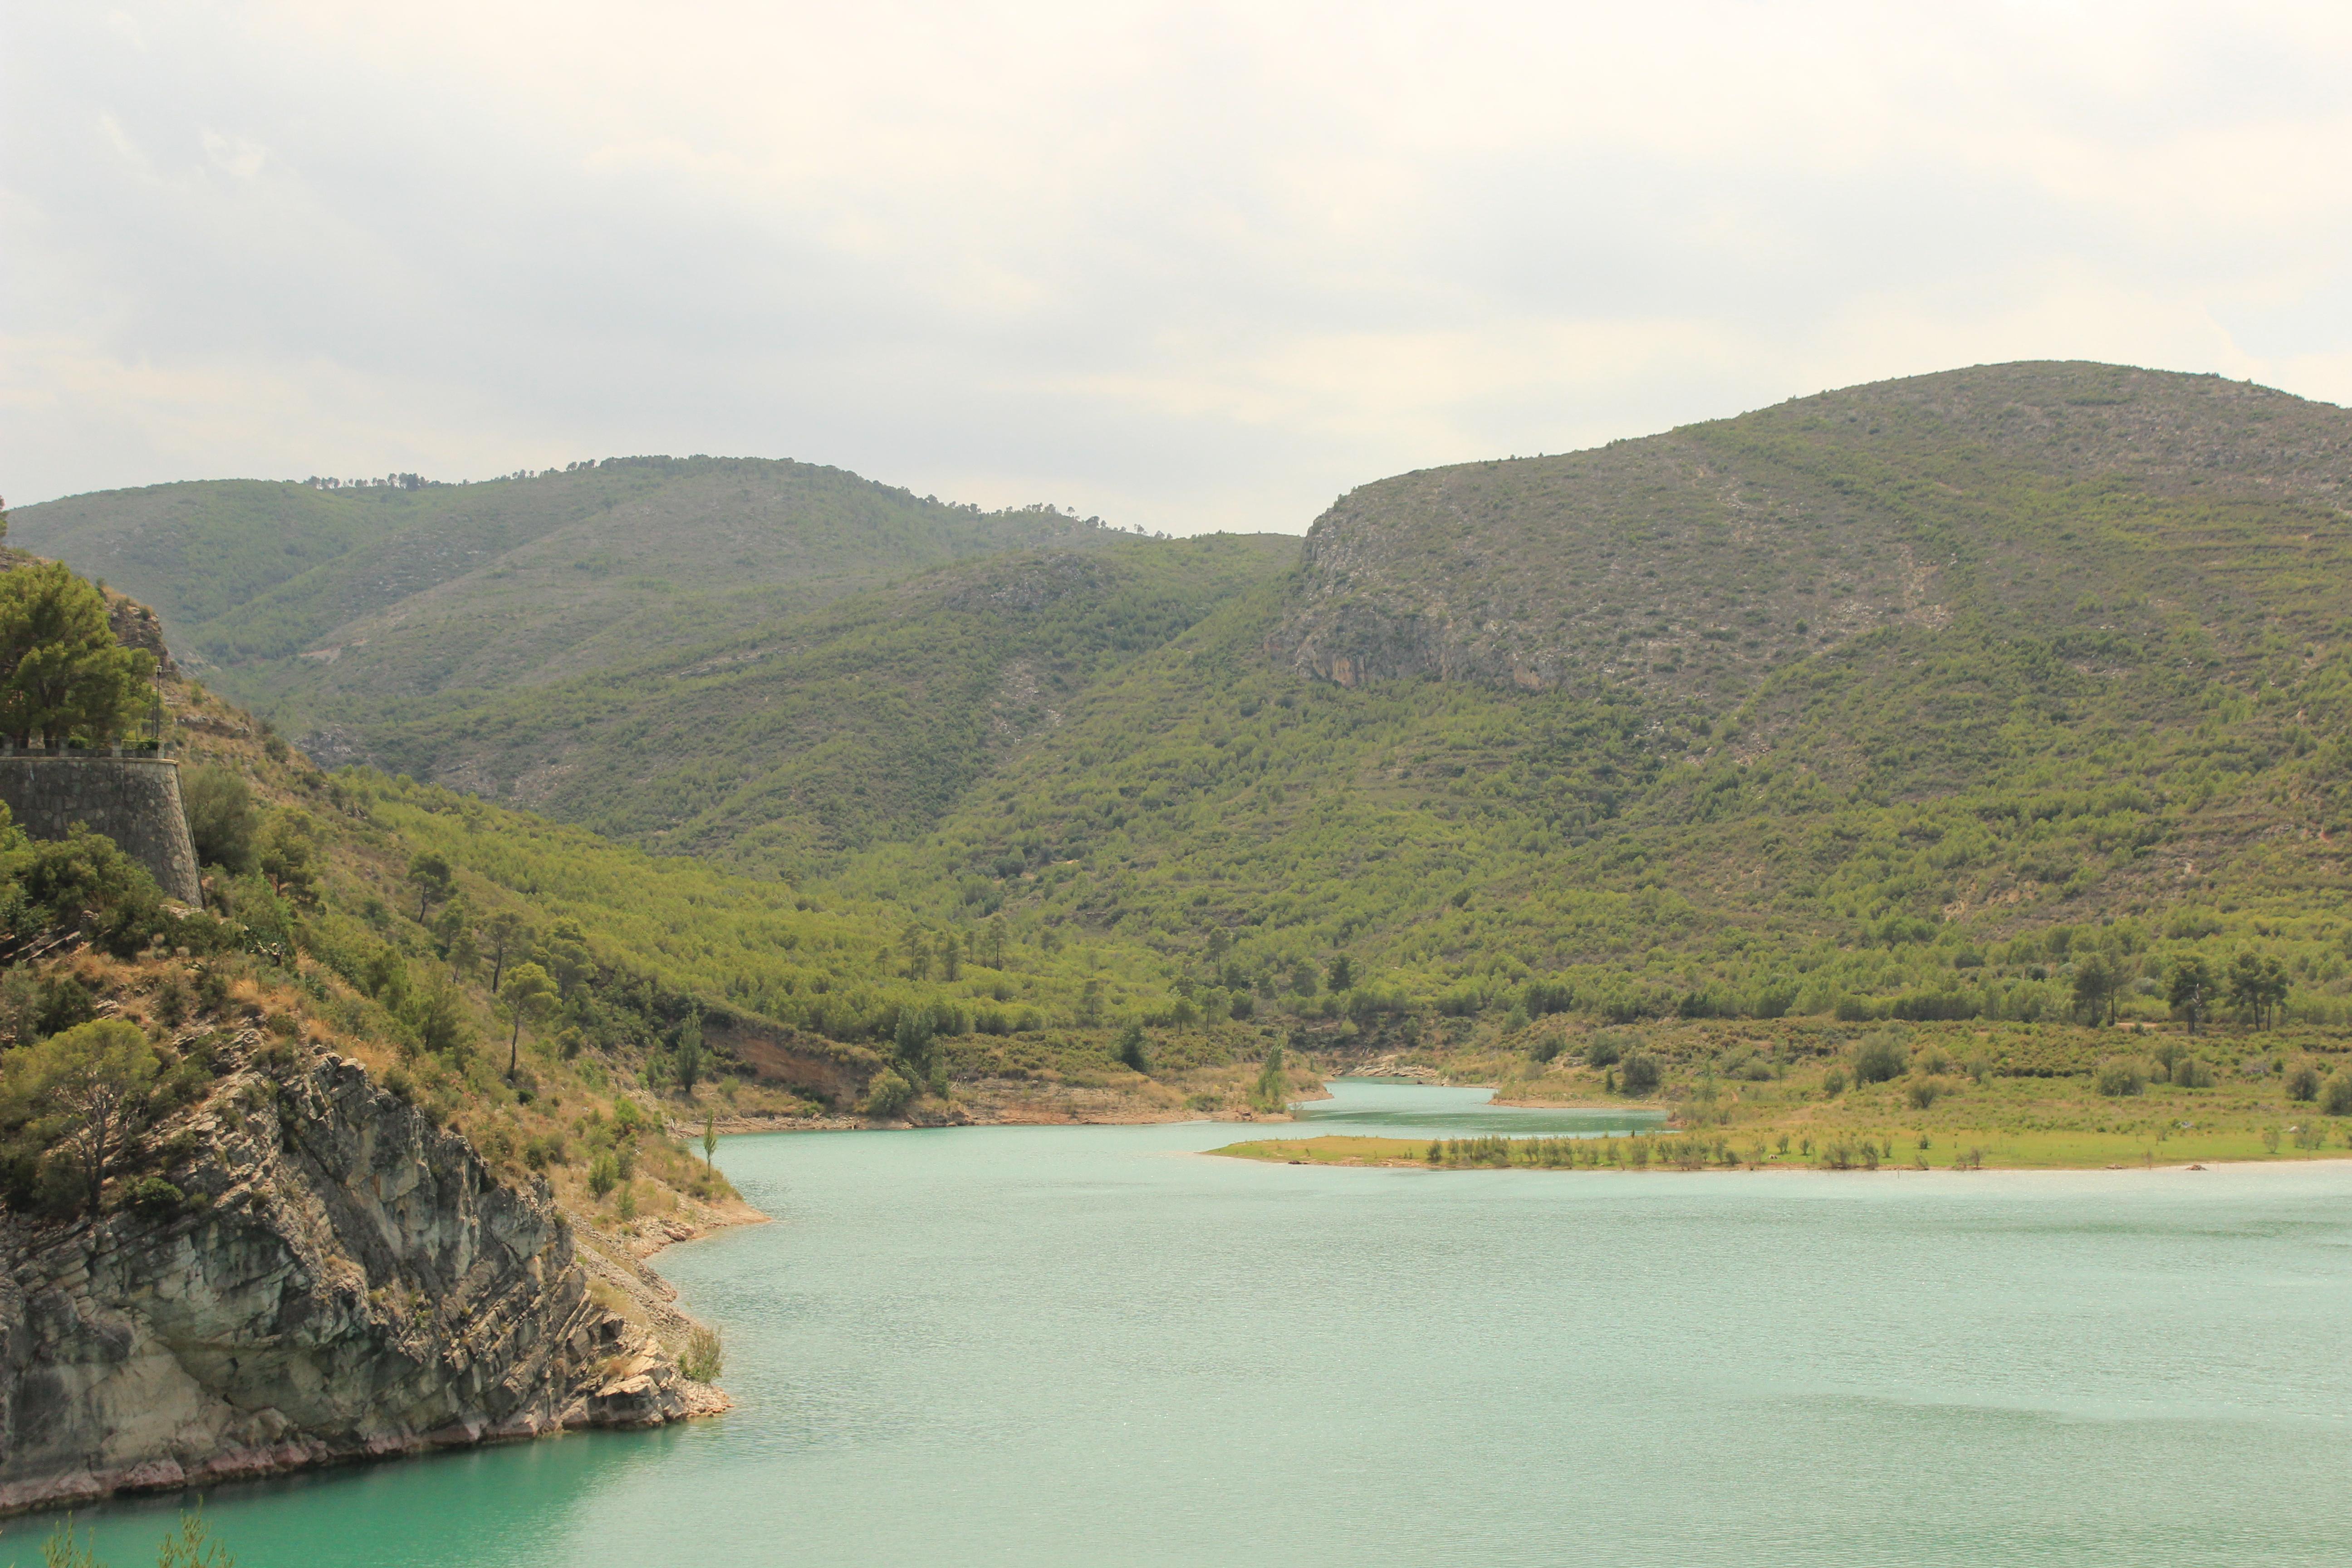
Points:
[65,677]
[2111,727]
[782,750]
[2011,699]
[318,606]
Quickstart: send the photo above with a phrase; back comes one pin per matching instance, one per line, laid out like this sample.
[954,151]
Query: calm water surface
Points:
[1067,1346]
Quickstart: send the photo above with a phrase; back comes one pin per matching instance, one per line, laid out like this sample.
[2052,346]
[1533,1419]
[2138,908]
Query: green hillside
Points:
[782,748]
[319,607]
[1897,701]
[1908,700]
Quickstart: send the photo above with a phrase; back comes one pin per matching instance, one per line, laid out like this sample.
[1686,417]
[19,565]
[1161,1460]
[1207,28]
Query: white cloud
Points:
[1186,265]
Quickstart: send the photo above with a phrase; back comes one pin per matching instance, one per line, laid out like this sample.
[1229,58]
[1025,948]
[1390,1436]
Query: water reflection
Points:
[1374,1108]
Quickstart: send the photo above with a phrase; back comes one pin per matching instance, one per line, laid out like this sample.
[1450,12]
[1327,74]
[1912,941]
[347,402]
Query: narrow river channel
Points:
[1092,1346]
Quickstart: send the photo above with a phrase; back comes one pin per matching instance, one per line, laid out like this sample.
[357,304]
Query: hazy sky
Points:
[1195,266]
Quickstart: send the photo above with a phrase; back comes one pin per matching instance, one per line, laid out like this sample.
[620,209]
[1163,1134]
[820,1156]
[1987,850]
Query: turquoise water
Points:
[1064,1346]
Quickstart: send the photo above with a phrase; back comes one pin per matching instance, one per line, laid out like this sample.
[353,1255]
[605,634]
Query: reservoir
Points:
[1081,1346]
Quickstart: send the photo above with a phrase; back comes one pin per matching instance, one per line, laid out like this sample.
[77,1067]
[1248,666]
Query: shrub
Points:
[1604,1050]
[221,820]
[703,1358]
[888,1094]
[1880,1059]
[1544,1048]
[154,1196]
[1923,1092]
[1833,1082]
[83,882]
[1640,1073]
[1543,997]
[2303,1082]
[2335,1095]
[604,1174]
[2188,1072]
[2120,1078]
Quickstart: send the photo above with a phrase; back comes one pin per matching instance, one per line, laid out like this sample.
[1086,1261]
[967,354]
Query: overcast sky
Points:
[1193,266]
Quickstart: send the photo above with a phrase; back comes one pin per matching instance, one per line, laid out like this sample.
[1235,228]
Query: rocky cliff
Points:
[340,1280]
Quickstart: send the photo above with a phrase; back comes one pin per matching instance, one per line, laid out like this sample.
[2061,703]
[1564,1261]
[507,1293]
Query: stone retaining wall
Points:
[135,801]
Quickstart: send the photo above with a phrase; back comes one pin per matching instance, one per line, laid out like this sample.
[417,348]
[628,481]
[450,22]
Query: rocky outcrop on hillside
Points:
[1695,563]
[341,1280]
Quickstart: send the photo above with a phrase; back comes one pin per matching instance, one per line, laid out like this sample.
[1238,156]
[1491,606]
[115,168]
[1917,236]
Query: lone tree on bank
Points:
[63,672]
[1133,1049]
[689,1052]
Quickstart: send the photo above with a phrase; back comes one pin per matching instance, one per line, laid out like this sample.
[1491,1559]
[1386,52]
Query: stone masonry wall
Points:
[135,801]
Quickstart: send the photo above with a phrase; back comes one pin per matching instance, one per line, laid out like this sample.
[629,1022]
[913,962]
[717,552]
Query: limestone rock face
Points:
[347,1281]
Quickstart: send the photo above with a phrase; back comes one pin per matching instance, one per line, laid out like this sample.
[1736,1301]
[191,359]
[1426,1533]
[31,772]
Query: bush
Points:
[2188,1072]
[604,1174]
[1604,1050]
[1639,1073]
[221,819]
[1833,1082]
[1544,1048]
[1542,996]
[703,1358]
[83,882]
[1880,1059]
[2303,1082]
[2121,1078]
[154,1197]
[888,1094]
[1919,1006]
[2335,1095]
[1923,1092]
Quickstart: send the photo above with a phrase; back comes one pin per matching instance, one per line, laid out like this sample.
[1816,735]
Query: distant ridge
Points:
[1683,562]
[322,605]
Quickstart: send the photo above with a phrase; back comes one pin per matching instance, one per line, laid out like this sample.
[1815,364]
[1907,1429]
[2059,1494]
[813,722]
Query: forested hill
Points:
[1892,699]
[1901,700]
[319,607]
[791,745]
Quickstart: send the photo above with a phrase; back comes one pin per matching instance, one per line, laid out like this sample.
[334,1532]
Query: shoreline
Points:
[1390,1154]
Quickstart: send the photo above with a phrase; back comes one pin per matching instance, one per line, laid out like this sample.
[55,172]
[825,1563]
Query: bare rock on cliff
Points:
[346,1281]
